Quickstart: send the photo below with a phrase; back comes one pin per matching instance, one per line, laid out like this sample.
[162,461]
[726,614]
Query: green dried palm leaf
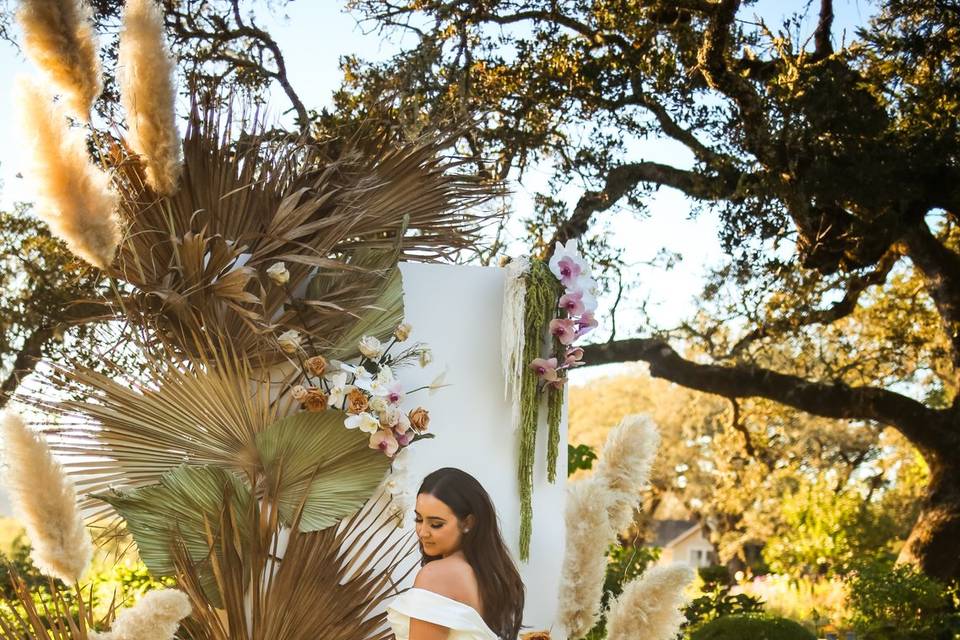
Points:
[318,471]
[117,430]
[379,318]
[185,505]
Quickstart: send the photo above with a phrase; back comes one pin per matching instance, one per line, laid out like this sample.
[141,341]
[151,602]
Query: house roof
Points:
[667,531]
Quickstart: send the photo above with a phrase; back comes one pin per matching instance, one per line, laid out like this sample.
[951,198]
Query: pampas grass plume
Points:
[585,561]
[58,37]
[46,503]
[156,616]
[148,94]
[625,464]
[75,198]
[649,606]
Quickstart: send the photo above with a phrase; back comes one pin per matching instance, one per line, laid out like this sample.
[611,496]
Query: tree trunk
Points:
[934,541]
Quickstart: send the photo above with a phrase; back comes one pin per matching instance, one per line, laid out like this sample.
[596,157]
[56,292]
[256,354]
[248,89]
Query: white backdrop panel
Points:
[457,311]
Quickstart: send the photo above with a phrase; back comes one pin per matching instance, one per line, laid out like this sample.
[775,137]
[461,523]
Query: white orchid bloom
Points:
[366,422]
[338,389]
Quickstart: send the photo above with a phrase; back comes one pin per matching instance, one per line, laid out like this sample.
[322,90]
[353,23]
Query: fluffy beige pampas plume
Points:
[649,606]
[147,91]
[58,37]
[625,464]
[585,561]
[155,617]
[74,196]
[46,503]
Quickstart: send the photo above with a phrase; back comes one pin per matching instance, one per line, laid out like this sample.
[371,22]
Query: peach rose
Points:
[314,399]
[357,401]
[419,419]
[317,365]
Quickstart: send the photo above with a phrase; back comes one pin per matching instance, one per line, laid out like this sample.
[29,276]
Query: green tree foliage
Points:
[899,602]
[748,471]
[824,531]
[47,297]
[831,162]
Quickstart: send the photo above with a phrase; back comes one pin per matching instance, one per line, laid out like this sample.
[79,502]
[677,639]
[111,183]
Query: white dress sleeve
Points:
[464,622]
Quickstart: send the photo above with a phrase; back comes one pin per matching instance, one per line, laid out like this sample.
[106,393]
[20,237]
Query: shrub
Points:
[884,597]
[716,600]
[751,627]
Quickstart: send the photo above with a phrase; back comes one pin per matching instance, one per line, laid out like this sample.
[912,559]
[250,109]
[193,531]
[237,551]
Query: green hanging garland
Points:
[541,299]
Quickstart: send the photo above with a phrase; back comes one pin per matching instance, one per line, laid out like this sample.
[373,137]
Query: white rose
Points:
[278,273]
[289,341]
[378,404]
[370,347]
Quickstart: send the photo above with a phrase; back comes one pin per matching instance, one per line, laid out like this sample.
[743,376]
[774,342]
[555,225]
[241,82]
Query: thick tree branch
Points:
[940,267]
[24,363]
[624,178]
[823,46]
[924,426]
[218,35]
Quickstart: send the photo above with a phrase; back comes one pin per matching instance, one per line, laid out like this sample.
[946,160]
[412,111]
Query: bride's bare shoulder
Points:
[451,577]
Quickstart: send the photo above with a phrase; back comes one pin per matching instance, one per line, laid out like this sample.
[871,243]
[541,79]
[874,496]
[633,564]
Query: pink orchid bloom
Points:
[394,393]
[557,384]
[574,357]
[385,441]
[569,270]
[564,330]
[586,324]
[572,302]
[546,369]
[403,438]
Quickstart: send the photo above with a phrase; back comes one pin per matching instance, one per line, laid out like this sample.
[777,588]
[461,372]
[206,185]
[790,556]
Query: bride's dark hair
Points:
[501,588]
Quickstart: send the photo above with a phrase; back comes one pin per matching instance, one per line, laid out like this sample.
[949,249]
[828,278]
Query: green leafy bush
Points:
[751,627]
[580,457]
[886,598]
[717,601]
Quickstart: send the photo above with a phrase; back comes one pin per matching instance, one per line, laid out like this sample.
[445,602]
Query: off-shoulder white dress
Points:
[464,622]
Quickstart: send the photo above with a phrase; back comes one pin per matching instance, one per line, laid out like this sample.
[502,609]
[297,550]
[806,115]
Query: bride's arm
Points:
[423,630]
[431,578]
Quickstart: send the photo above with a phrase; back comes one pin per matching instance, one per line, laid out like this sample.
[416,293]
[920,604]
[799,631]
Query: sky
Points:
[315,34]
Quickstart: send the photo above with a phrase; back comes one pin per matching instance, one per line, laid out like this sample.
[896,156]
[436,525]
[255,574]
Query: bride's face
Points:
[438,528]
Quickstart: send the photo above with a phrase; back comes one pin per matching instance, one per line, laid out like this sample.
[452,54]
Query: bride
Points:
[468,587]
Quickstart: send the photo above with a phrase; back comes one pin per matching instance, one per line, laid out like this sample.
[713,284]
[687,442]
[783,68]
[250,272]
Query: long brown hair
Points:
[501,588]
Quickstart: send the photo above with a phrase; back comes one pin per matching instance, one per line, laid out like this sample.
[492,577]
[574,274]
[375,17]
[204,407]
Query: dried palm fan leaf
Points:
[330,584]
[121,432]
[339,213]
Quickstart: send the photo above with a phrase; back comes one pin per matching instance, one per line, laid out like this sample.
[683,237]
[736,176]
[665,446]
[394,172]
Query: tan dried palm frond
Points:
[332,584]
[339,213]
[115,429]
